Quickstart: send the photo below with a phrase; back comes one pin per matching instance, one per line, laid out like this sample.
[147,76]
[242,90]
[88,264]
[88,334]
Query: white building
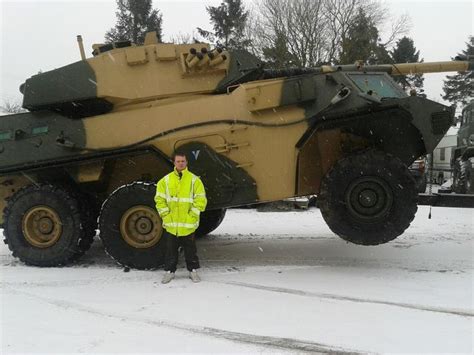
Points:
[442,156]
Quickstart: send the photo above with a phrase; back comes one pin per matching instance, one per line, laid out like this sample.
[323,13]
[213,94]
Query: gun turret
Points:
[122,73]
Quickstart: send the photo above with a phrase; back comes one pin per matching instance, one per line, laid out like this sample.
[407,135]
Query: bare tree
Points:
[299,22]
[12,107]
[398,28]
[339,16]
[311,32]
[184,38]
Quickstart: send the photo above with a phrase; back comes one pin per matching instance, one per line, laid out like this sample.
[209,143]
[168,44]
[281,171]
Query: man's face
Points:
[180,162]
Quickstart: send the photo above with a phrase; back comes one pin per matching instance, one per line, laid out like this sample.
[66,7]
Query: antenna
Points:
[81,47]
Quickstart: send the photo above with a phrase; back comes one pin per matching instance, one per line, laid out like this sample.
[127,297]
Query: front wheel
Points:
[368,198]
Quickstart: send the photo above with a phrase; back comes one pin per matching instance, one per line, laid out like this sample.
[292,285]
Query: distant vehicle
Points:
[102,130]
[462,161]
[418,171]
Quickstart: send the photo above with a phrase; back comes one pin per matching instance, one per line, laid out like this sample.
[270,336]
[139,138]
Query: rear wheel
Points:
[43,225]
[130,228]
[463,176]
[368,198]
[209,221]
[466,177]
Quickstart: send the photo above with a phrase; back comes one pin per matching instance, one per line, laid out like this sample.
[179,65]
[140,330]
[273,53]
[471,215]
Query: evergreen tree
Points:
[278,56]
[405,52]
[459,88]
[362,42]
[134,19]
[228,20]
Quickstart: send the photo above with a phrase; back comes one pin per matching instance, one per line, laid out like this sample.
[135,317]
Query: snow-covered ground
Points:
[272,282]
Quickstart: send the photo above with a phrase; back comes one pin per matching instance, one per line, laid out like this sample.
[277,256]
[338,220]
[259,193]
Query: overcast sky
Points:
[41,35]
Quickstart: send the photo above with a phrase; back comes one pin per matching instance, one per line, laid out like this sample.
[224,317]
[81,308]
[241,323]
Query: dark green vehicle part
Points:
[70,90]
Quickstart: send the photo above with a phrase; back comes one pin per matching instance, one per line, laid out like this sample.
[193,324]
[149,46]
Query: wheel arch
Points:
[327,141]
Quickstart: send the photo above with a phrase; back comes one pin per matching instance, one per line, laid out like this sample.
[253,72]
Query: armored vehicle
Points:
[462,161]
[101,131]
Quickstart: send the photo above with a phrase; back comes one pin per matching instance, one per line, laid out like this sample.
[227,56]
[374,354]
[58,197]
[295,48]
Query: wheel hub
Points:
[144,225]
[369,198]
[140,227]
[41,226]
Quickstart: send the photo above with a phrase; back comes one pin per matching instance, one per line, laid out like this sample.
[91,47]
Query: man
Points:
[180,198]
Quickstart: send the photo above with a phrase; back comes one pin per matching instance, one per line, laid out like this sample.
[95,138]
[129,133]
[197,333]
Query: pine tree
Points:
[459,88]
[228,20]
[134,19]
[405,52]
[362,42]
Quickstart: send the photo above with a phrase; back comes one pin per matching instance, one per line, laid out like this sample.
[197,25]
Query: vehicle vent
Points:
[441,121]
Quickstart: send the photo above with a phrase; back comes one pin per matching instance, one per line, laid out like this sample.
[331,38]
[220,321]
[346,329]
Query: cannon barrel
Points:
[392,69]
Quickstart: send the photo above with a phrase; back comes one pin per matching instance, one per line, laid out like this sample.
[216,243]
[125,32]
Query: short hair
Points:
[178,153]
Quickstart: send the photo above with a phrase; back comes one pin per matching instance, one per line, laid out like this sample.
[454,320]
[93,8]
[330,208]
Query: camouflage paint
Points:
[34,139]
[74,82]
[266,135]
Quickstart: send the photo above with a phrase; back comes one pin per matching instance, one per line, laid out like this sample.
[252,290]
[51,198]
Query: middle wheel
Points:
[210,220]
[130,228]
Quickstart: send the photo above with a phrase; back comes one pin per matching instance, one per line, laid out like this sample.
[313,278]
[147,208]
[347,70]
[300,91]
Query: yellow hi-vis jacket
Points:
[180,201]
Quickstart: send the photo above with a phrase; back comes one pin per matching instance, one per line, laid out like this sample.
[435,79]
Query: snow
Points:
[272,282]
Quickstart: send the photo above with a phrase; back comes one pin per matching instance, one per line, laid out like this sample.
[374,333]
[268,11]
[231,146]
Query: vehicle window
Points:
[379,84]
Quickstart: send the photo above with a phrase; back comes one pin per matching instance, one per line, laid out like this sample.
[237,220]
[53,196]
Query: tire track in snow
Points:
[253,339]
[450,311]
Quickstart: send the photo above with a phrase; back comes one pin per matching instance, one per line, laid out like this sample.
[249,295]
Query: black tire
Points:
[466,177]
[463,177]
[69,244]
[209,221]
[120,242]
[458,184]
[421,184]
[368,198]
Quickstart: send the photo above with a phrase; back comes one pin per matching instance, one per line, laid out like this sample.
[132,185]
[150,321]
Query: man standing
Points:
[180,198]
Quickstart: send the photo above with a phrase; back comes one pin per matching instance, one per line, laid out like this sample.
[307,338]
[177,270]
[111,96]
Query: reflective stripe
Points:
[185,225]
[195,210]
[184,199]
[177,199]
[160,194]
[200,195]
[163,210]
[167,182]
[191,194]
